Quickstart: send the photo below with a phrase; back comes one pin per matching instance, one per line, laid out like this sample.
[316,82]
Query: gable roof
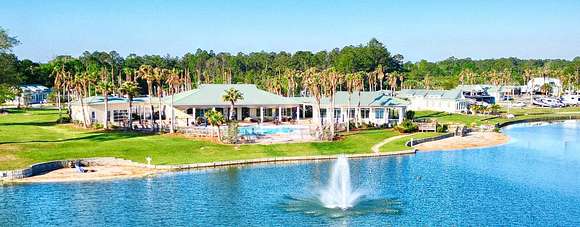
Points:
[100,100]
[454,94]
[211,95]
[366,98]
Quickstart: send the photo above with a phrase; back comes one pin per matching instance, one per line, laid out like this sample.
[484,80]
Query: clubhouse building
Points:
[257,107]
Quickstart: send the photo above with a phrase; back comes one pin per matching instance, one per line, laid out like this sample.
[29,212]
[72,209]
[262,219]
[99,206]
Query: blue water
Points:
[533,180]
[257,130]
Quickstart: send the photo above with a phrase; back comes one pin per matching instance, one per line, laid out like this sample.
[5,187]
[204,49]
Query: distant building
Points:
[489,93]
[450,101]
[31,94]
[535,85]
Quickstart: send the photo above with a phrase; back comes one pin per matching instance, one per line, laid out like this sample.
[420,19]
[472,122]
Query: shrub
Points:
[442,128]
[410,115]
[407,126]
[63,120]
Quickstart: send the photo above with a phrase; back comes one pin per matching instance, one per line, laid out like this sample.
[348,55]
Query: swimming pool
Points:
[268,130]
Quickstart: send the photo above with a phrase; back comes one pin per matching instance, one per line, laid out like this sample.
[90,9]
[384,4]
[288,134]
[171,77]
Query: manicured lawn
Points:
[447,118]
[32,137]
[399,144]
[520,114]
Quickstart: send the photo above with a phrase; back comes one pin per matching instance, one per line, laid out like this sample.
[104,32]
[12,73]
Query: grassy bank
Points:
[519,113]
[32,137]
[399,144]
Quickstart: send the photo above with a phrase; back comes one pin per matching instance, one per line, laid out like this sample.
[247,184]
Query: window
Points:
[120,115]
[364,112]
[337,113]
[379,113]
[323,113]
[352,113]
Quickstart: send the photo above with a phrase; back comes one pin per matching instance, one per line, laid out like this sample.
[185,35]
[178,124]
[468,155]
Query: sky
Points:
[419,29]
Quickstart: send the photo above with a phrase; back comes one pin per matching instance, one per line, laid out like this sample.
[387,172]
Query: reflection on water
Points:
[313,207]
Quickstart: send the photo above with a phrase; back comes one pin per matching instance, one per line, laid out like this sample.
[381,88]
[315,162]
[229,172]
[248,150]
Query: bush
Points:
[407,126]
[63,120]
[410,115]
[442,128]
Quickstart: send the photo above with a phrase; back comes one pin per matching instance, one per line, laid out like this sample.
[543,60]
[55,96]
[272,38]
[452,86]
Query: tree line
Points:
[279,72]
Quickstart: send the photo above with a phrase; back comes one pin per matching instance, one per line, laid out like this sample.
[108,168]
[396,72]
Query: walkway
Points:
[377,147]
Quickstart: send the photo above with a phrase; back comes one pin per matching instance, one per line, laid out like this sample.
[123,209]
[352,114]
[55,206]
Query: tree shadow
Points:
[33,123]
[92,136]
[434,114]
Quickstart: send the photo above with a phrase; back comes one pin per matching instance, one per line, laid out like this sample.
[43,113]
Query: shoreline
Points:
[114,171]
[474,140]
[130,169]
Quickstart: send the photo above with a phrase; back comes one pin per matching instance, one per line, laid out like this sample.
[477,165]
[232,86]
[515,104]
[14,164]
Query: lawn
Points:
[399,144]
[32,137]
[520,114]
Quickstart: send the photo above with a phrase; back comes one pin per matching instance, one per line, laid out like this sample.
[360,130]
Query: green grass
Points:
[32,137]
[520,114]
[399,144]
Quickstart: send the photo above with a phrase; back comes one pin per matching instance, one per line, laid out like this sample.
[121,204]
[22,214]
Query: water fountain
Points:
[339,192]
[339,199]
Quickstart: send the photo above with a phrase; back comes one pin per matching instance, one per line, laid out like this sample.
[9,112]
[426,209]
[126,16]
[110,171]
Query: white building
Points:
[535,85]
[257,106]
[376,107]
[31,94]
[450,101]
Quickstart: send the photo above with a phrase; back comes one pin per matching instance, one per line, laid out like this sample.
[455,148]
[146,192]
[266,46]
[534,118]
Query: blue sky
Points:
[420,29]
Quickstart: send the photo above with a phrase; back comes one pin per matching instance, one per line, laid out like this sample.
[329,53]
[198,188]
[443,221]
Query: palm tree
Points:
[105,87]
[380,75]
[146,72]
[173,80]
[331,79]
[159,75]
[232,95]
[359,86]
[427,82]
[58,85]
[215,118]
[352,79]
[130,89]
[393,77]
[79,82]
[312,81]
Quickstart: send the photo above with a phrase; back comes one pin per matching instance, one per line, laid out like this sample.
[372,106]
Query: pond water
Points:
[533,180]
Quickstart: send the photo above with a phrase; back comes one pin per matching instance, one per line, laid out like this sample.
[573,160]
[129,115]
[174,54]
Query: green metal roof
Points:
[211,95]
[99,100]
[366,98]
[436,94]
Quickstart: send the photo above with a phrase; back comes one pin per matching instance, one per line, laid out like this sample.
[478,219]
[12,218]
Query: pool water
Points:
[266,130]
[533,180]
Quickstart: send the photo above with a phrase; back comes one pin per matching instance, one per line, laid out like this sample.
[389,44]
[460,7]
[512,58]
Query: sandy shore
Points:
[94,173]
[473,140]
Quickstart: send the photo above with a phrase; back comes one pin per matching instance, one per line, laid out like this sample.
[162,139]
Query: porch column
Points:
[239,113]
[298,113]
[304,111]
[342,116]
[401,113]
[385,116]
[387,113]
[261,114]
[372,115]
[193,114]
[280,113]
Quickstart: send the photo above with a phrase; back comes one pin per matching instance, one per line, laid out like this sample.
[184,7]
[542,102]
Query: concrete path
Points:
[377,147]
